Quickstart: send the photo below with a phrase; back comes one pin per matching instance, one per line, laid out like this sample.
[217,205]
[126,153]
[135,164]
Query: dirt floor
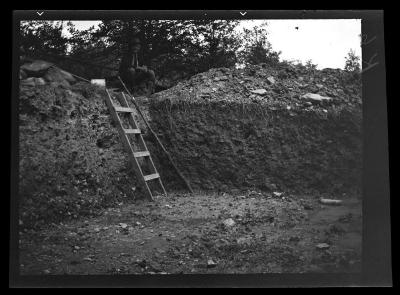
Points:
[186,234]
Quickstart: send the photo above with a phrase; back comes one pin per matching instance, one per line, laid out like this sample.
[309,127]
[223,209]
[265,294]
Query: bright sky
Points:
[326,42]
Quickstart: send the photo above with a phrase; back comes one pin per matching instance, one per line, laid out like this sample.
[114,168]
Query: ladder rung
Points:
[151,176]
[141,154]
[125,110]
[132,131]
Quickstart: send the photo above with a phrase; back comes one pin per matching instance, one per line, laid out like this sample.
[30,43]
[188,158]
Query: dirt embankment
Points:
[265,128]
[242,129]
[70,159]
[221,146]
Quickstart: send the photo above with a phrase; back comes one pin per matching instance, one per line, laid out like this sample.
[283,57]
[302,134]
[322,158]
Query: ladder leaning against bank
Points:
[133,141]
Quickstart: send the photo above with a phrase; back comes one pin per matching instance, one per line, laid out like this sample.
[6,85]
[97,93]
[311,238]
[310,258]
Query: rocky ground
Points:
[247,232]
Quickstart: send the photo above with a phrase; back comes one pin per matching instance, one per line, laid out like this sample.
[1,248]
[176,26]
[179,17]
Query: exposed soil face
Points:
[222,145]
[187,234]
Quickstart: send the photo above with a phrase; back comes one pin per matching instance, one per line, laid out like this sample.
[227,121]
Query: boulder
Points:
[322,246]
[55,75]
[37,68]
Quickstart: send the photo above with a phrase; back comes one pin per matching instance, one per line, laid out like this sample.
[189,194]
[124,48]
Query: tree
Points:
[168,46]
[352,62]
[42,36]
[256,48]
[310,65]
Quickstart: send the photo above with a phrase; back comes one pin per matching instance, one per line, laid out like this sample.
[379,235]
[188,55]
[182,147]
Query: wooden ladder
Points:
[138,152]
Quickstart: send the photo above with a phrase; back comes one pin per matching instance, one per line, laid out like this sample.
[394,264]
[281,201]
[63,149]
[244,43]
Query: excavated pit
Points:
[72,163]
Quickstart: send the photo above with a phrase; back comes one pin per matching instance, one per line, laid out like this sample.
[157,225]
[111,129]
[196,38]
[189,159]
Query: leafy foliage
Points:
[352,62]
[257,49]
[168,46]
[39,36]
[310,65]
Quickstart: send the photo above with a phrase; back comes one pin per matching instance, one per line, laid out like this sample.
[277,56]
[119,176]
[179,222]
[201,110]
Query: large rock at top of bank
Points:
[39,73]
[37,68]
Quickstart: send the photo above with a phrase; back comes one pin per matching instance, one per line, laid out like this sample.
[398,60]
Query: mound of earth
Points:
[288,86]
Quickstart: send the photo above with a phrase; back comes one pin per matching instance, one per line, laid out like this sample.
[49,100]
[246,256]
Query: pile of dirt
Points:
[288,86]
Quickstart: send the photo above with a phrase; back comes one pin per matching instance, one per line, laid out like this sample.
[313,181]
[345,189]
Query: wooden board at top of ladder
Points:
[138,153]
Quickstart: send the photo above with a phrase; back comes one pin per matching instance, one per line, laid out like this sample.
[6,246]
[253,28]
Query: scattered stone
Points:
[211,263]
[259,91]
[316,97]
[229,222]
[271,80]
[33,81]
[322,246]
[123,225]
[221,78]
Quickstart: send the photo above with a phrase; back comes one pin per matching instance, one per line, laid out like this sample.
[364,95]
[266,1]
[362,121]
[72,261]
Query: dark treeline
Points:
[180,47]
[174,49]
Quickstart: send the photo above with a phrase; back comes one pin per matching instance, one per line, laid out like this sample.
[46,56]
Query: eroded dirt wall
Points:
[220,146]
